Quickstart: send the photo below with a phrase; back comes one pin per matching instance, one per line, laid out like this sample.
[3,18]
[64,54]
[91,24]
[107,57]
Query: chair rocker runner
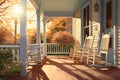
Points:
[99,57]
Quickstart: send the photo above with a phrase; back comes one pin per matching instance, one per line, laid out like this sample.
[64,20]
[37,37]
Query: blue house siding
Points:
[119,33]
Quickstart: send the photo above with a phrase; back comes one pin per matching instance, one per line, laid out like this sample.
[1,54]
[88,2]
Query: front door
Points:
[109,28]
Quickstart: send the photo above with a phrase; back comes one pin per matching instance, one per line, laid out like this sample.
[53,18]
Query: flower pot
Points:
[14,76]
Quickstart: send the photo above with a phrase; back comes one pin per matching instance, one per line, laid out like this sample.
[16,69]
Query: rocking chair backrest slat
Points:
[89,42]
[85,42]
[105,42]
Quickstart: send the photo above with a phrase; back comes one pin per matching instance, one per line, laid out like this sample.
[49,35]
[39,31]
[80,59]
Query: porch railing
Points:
[14,50]
[51,48]
[55,48]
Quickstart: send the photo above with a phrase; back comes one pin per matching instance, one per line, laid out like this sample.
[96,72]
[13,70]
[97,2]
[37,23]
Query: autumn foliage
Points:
[56,24]
[63,37]
[6,36]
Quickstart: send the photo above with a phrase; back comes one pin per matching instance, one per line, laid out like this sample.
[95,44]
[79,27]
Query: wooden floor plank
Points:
[63,68]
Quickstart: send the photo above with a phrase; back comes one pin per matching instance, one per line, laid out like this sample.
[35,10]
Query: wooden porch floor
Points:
[63,68]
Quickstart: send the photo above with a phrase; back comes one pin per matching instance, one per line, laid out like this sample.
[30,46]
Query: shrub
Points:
[13,68]
[7,66]
[5,58]
[63,37]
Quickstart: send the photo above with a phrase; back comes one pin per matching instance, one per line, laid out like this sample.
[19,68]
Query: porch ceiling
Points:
[57,7]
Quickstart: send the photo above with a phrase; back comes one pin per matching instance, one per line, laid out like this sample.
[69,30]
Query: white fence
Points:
[51,48]
[55,48]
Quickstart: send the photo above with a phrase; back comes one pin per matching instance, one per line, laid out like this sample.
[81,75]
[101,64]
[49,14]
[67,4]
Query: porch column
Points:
[115,26]
[101,20]
[23,38]
[38,26]
[44,36]
[38,40]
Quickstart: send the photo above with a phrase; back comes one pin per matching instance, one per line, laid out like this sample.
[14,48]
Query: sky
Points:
[31,17]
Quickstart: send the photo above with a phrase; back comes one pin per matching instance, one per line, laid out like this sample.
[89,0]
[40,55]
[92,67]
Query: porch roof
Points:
[57,7]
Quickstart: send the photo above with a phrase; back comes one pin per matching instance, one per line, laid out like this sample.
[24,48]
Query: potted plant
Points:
[12,70]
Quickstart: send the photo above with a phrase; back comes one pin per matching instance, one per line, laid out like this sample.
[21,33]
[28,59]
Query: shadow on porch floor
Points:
[63,68]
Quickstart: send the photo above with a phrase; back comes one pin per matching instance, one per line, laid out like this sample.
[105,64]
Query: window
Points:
[109,14]
[109,18]
[86,21]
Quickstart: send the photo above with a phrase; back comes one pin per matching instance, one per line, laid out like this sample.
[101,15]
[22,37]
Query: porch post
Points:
[23,38]
[101,20]
[38,26]
[44,41]
[38,40]
[115,26]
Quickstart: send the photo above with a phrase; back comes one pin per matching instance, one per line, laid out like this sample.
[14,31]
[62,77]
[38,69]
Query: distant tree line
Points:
[6,32]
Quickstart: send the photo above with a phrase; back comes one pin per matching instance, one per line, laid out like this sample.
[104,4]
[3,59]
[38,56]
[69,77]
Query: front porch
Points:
[63,68]
[91,22]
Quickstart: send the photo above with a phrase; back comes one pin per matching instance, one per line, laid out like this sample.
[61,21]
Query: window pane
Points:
[86,32]
[87,15]
[84,17]
[109,15]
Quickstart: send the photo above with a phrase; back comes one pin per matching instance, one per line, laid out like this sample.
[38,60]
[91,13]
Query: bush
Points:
[5,58]
[7,66]
[13,68]
[64,38]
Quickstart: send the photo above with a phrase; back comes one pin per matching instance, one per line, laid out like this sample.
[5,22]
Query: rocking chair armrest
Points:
[98,56]
[87,49]
[94,51]
[96,48]
[81,49]
[28,52]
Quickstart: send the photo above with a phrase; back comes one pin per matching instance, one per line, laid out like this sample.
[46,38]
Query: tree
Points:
[31,34]
[3,8]
[6,35]
[56,24]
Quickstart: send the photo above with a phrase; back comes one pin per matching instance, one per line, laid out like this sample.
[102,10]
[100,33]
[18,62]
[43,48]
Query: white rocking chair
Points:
[99,57]
[83,52]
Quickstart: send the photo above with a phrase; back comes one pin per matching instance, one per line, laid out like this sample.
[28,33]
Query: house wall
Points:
[95,24]
[119,33]
[69,24]
[76,29]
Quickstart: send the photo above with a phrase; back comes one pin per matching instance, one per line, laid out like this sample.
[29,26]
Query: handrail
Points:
[9,46]
[13,47]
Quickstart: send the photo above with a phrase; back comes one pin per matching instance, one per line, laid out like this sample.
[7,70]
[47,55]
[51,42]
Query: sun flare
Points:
[18,9]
